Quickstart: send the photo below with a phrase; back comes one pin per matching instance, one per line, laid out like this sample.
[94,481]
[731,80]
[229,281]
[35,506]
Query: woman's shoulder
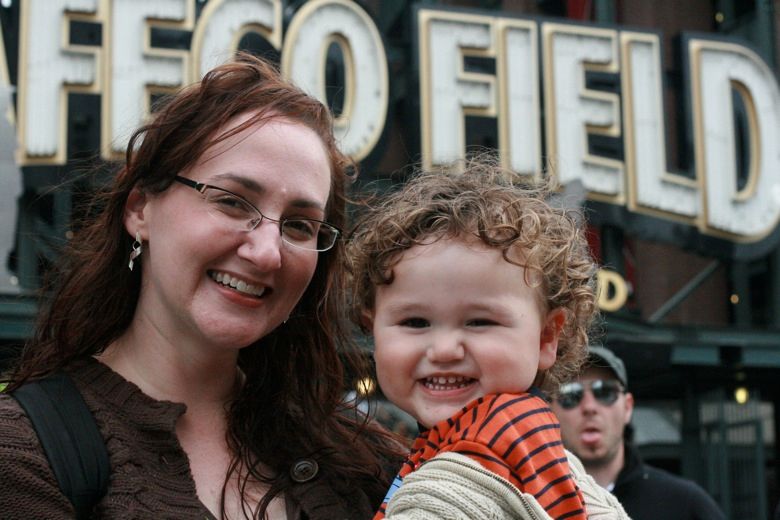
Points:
[20,447]
[13,420]
[112,398]
[17,430]
[29,486]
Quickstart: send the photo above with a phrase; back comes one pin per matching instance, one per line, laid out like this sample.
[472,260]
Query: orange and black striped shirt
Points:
[517,437]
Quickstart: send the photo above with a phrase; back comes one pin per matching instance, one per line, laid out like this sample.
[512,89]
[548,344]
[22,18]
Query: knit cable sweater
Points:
[454,486]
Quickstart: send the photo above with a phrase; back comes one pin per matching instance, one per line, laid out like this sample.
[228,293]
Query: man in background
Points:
[595,412]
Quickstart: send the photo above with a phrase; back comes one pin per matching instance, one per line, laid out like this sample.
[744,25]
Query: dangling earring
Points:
[137,250]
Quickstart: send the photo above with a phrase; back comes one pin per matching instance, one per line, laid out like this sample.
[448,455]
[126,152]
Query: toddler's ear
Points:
[548,342]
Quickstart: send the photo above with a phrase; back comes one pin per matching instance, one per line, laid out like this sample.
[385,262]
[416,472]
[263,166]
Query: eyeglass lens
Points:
[237,213]
[606,392]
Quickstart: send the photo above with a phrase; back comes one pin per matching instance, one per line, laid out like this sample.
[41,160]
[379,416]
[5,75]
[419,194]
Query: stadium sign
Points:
[541,66]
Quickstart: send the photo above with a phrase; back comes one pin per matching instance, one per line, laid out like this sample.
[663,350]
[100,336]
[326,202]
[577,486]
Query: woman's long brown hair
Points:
[292,403]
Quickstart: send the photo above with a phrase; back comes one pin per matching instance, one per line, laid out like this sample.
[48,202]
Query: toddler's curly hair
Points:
[503,210]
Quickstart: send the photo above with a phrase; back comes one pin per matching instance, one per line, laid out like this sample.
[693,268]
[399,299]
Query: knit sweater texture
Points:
[150,473]
[455,486]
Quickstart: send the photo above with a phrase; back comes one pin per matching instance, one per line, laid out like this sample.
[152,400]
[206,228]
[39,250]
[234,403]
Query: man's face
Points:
[593,429]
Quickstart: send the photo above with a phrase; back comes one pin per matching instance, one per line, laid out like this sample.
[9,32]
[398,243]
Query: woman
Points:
[210,364]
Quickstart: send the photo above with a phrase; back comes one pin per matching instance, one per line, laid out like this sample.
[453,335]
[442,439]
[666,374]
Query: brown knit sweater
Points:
[150,473]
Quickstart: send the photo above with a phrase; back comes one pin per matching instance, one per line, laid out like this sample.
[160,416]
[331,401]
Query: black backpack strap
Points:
[70,437]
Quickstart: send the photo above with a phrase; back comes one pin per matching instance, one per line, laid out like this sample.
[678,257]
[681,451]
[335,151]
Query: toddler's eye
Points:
[415,323]
[482,322]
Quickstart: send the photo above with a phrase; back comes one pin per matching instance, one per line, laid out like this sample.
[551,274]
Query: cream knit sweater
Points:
[454,487]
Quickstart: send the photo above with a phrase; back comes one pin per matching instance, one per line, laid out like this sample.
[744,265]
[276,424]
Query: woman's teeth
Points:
[446,382]
[235,283]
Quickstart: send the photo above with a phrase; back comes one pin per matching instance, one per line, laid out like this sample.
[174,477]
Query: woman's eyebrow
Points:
[254,186]
[244,181]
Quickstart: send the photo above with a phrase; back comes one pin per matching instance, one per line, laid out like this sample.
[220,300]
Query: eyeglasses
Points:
[606,392]
[236,212]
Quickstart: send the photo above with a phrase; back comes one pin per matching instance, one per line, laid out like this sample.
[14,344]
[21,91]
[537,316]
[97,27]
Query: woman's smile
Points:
[237,284]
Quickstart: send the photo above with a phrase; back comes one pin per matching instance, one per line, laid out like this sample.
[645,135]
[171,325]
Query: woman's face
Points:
[222,285]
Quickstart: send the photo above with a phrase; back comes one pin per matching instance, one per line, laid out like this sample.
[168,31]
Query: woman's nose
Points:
[263,246]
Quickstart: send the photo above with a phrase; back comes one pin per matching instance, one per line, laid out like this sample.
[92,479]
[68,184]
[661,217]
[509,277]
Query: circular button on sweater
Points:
[304,470]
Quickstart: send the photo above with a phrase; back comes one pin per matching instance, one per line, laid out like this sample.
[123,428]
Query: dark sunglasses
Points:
[606,392]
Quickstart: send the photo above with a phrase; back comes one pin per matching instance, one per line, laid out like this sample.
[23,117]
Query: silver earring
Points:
[137,250]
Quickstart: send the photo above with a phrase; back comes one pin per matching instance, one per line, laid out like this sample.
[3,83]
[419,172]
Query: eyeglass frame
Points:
[604,384]
[201,188]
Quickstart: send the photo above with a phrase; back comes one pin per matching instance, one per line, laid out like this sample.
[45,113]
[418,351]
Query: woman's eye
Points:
[300,229]
[230,204]
[415,323]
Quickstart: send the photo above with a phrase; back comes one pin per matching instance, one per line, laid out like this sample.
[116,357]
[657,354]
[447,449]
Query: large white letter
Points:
[717,71]
[447,92]
[223,23]
[651,188]
[572,111]
[135,65]
[519,100]
[316,26]
[47,63]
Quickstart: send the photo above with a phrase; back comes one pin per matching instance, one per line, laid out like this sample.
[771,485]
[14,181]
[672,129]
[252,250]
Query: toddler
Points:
[479,296]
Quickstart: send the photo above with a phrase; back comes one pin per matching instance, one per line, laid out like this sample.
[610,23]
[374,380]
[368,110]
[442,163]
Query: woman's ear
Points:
[548,342]
[367,321]
[135,213]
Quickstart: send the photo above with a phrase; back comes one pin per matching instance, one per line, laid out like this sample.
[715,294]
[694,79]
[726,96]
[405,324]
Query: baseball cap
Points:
[599,356]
